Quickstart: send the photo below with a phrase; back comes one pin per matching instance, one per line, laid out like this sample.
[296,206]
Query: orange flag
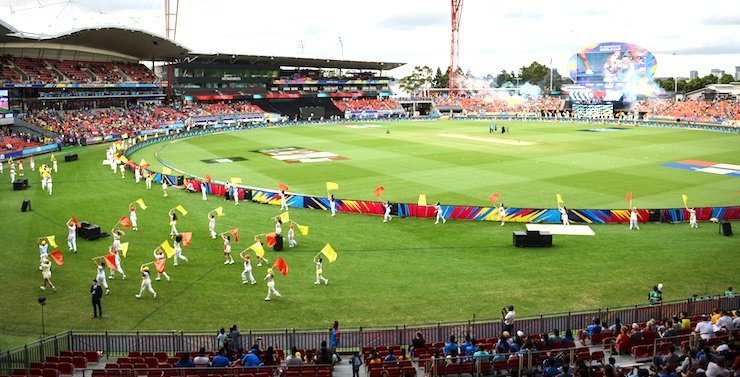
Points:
[282,187]
[56,255]
[77,223]
[281,266]
[125,222]
[186,236]
[379,191]
[110,260]
[270,239]
[159,264]
[494,197]
[235,232]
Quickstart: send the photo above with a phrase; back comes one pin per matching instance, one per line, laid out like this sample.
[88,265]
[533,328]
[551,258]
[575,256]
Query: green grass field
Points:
[406,271]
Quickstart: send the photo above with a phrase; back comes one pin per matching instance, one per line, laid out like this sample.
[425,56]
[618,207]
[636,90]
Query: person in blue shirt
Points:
[450,345]
[251,359]
[221,361]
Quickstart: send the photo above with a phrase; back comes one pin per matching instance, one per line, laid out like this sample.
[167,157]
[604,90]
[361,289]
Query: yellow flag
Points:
[124,249]
[422,200]
[303,229]
[329,252]
[181,209]
[332,186]
[123,159]
[53,158]
[284,217]
[559,198]
[167,249]
[236,180]
[258,249]
[140,202]
[166,170]
[52,241]
[219,211]
[685,199]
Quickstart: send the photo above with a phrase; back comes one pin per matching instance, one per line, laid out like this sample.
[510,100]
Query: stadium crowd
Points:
[697,111]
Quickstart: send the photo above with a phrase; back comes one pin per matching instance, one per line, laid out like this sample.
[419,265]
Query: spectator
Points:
[418,343]
[221,361]
[185,361]
[251,359]
[201,360]
[294,359]
[705,328]
[324,355]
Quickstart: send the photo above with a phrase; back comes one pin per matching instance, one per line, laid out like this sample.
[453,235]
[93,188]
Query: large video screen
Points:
[612,66]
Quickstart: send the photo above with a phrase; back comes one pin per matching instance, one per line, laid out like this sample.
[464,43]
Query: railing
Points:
[119,343]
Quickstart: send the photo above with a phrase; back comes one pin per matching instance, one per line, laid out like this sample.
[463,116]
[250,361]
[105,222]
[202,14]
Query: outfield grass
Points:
[406,271]
[589,169]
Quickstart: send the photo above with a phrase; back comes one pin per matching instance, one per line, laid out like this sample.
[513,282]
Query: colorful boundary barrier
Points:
[519,215]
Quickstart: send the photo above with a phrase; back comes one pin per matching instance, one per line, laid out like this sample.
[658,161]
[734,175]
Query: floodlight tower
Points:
[170,18]
[170,30]
[455,13]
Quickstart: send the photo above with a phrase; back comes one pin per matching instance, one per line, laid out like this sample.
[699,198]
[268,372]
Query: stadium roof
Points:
[134,43]
[295,62]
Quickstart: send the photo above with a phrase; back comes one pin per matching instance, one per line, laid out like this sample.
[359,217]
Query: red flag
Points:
[125,222]
[186,236]
[110,260]
[159,264]
[379,191]
[77,223]
[270,239]
[208,179]
[56,255]
[282,187]
[629,197]
[281,266]
[493,198]
[235,232]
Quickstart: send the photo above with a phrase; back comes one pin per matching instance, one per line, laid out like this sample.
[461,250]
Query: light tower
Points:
[170,30]
[455,13]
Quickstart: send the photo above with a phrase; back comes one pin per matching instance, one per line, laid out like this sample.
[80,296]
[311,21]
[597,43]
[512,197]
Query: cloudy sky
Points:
[495,34]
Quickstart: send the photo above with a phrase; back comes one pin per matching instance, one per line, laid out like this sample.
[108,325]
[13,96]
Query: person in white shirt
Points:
[132,216]
[203,189]
[177,245]
[159,254]
[283,201]
[692,218]
[100,274]
[212,225]
[72,236]
[332,205]
[440,214]
[45,268]
[291,236]
[633,219]
[705,328]
[118,268]
[146,282]
[247,273]
[387,213]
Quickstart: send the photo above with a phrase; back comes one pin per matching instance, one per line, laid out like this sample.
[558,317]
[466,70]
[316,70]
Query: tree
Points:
[726,79]
[440,80]
[502,78]
[536,74]
[418,79]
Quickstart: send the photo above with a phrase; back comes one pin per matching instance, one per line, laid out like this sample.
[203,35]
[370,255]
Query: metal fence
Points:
[119,343]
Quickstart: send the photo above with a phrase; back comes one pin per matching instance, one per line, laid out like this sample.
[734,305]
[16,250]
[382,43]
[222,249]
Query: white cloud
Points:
[494,35]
